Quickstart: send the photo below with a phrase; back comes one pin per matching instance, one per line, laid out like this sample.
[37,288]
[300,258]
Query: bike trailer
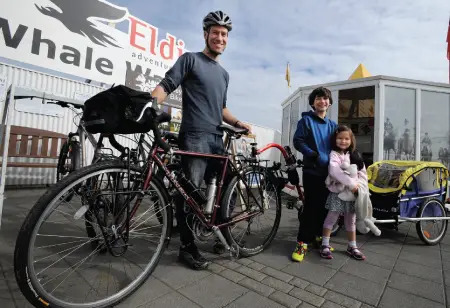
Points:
[413,191]
[404,181]
[115,110]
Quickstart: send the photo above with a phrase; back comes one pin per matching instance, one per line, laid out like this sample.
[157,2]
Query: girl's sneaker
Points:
[299,252]
[355,253]
[325,252]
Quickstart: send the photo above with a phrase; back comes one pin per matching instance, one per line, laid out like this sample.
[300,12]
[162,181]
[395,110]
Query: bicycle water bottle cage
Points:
[254,150]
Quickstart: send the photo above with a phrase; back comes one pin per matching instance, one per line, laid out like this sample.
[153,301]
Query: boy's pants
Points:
[314,212]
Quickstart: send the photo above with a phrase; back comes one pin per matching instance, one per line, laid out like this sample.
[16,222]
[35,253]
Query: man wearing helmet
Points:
[204,83]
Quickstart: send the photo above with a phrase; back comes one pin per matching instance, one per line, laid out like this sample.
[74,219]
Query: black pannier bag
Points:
[115,110]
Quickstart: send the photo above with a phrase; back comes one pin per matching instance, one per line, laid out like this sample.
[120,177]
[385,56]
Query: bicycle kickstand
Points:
[233,250]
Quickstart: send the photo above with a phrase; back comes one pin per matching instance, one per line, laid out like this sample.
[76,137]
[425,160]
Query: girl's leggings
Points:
[349,220]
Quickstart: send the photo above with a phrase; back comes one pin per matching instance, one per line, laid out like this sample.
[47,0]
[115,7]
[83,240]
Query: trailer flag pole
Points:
[448,49]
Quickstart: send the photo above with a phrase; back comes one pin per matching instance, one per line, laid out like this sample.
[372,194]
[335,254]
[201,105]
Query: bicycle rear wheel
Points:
[259,197]
[58,263]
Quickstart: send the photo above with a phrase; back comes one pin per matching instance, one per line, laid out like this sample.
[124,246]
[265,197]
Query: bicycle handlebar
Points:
[149,115]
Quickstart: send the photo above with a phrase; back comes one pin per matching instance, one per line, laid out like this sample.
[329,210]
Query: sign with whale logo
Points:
[79,38]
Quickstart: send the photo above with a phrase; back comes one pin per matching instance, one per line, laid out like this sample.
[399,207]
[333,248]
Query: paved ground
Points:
[399,272]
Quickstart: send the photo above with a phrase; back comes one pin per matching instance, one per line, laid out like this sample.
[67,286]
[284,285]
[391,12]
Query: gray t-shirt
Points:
[204,83]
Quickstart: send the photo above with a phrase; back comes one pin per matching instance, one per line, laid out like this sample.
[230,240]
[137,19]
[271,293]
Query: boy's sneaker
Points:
[325,252]
[190,256]
[355,253]
[318,243]
[299,252]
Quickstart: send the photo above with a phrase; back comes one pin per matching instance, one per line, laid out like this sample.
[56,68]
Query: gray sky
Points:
[324,41]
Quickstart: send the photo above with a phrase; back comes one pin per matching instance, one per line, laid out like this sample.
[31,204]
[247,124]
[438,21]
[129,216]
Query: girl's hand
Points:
[355,189]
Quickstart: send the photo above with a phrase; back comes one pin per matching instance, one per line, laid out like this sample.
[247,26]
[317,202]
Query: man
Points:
[312,139]
[204,83]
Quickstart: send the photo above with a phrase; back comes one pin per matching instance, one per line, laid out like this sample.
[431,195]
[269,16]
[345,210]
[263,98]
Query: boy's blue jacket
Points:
[313,139]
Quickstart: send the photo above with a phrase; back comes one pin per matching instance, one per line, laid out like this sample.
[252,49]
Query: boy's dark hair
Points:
[319,92]
[340,129]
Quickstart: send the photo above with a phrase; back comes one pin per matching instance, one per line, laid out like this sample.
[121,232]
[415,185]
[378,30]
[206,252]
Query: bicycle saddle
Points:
[233,131]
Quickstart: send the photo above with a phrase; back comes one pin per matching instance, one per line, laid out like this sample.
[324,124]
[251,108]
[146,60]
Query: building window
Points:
[435,127]
[399,124]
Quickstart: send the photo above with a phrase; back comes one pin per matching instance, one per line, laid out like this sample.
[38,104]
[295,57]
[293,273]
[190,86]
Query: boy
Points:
[312,139]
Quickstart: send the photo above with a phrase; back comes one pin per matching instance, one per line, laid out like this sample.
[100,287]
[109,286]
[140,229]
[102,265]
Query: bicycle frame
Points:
[227,164]
[154,160]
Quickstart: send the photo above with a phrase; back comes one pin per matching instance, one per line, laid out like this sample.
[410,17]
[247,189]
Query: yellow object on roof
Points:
[360,72]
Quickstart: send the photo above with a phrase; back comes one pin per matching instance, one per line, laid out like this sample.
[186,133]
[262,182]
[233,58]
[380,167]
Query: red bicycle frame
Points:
[227,164]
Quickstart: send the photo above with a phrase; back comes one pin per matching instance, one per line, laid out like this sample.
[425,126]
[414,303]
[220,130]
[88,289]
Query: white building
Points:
[392,118]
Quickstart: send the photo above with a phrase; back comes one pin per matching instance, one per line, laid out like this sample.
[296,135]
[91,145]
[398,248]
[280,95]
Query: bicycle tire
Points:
[75,156]
[69,150]
[60,168]
[431,206]
[229,205]
[27,280]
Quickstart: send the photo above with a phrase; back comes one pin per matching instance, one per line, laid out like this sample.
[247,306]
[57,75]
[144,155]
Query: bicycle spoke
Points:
[73,270]
[62,251]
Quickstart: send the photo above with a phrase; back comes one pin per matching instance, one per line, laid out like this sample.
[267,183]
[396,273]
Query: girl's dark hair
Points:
[340,129]
[319,92]
[356,158]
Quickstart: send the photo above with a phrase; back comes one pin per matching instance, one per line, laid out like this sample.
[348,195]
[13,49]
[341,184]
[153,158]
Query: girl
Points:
[343,146]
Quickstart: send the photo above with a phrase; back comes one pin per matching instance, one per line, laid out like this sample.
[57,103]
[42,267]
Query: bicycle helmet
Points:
[217,18]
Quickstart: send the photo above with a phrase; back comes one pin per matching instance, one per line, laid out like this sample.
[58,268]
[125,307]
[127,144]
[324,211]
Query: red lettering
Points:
[180,48]
[133,32]
[168,48]
[153,39]
[167,45]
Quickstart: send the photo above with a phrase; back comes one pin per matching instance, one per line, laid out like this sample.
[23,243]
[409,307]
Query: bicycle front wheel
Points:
[69,159]
[261,202]
[60,262]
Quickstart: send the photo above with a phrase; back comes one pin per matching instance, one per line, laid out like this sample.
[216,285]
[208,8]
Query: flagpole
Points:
[448,49]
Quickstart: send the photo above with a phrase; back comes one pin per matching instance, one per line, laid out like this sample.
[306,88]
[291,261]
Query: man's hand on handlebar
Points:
[240,124]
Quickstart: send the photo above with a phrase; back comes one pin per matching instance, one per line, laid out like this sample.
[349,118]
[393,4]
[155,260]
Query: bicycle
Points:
[108,252]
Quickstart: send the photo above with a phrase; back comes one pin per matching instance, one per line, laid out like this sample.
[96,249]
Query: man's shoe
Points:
[190,256]
[299,252]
